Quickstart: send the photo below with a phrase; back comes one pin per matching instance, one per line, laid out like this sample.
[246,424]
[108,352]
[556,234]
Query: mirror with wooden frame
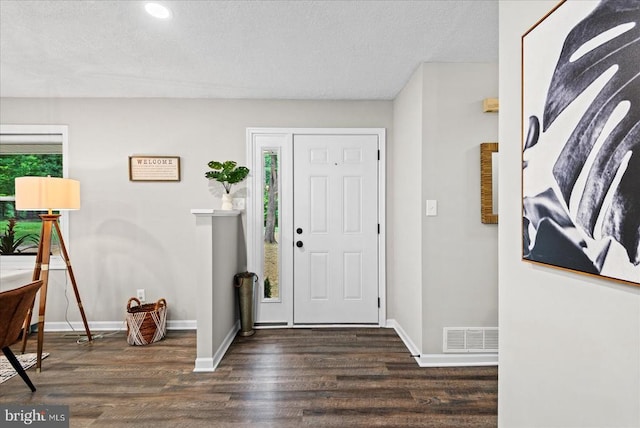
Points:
[489,182]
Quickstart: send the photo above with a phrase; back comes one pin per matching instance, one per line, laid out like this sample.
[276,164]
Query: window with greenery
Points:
[271,231]
[25,151]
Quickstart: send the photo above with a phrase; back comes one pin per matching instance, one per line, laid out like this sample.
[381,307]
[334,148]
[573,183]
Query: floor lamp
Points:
[51,194]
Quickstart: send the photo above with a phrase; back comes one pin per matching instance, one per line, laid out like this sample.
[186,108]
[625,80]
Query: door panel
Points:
[336,206]
[318,275]
[352,187]
[319,202]
[353,276]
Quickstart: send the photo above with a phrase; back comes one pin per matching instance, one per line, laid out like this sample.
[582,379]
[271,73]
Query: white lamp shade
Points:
[47,193]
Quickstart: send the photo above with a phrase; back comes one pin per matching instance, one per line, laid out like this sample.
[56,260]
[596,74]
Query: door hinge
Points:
[378,228]
[378,302]
[378,154]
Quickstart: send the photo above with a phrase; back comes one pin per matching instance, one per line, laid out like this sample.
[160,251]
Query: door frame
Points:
[279,312]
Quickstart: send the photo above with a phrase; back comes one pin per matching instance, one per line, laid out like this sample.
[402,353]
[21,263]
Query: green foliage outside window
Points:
[12,243]
[18,228]
[12,166]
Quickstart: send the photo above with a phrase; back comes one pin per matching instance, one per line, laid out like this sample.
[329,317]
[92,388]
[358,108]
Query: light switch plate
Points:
[432,207]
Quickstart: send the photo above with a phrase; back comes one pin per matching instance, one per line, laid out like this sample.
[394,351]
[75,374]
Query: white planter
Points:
[227,202]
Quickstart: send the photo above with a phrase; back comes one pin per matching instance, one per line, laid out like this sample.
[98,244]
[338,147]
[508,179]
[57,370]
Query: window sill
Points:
[29,262]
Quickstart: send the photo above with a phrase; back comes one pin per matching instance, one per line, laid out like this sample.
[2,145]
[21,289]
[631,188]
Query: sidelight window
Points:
[271,187]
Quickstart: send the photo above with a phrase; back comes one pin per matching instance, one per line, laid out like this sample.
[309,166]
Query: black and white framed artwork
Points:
[581,139]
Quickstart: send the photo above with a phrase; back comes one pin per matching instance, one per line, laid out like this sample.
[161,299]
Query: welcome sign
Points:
[154,168]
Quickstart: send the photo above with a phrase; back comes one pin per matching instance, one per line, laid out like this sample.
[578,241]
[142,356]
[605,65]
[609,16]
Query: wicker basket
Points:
[146,323]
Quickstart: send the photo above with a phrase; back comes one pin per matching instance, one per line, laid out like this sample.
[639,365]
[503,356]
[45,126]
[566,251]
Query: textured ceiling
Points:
[235,49]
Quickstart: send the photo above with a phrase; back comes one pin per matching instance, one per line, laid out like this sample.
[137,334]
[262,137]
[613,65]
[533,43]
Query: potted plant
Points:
[227,173]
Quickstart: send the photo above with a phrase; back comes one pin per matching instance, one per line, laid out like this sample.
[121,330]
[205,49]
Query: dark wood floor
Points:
[277,378]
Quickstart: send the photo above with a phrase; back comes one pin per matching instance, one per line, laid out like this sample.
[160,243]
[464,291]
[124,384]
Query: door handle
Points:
[299,244]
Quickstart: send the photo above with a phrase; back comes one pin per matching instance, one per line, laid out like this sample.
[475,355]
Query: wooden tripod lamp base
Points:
[48,193]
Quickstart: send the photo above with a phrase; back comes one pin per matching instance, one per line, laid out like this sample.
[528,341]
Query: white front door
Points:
[335,229]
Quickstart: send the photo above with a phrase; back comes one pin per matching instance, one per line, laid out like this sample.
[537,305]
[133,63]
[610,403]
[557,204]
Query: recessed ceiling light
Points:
[157,10]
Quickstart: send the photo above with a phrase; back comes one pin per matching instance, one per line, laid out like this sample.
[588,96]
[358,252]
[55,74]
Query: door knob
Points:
[299,244]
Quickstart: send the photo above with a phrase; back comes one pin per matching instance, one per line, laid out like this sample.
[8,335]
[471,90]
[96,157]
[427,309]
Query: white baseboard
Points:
[334,326]
[209,364]
[182,325]
[457,360]
[112,325]
[442,360]
[204,364]
[415,351]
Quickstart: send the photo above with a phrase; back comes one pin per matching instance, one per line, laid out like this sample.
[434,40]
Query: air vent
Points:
[470,339]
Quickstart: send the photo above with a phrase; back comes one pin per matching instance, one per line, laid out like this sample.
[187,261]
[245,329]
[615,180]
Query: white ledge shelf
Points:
[215,213]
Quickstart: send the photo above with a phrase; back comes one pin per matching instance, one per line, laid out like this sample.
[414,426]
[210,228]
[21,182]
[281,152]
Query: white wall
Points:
[569,344]
[404,169]
[442,270]
[130,235]
[459,252]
